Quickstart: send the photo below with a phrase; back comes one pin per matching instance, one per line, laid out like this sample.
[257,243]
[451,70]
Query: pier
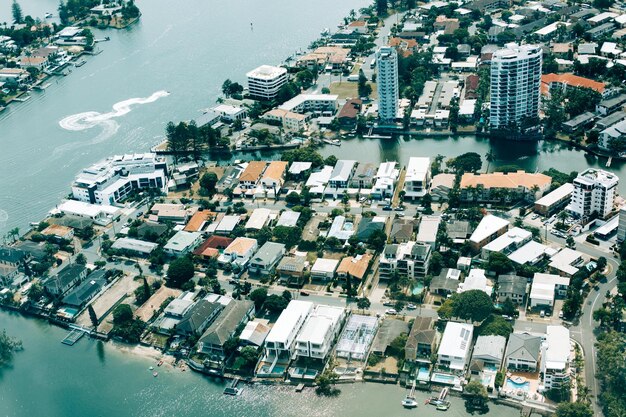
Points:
[73,337]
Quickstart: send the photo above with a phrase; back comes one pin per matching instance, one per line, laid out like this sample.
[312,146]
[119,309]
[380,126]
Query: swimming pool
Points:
[512,385]
[444,379]
[423,374]
[418,289]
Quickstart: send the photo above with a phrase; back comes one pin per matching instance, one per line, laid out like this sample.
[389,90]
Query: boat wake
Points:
[90,119]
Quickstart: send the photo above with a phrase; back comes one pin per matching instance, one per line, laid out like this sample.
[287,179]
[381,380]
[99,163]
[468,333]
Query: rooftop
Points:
[295,312]
[266,72]
[511,180]
[489,225]
[456,340]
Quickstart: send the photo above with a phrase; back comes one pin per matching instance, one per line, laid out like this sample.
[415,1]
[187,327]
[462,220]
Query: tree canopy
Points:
[499,263]
[180,272]
[467,162]
[474,305]
[8,346]
[495,325]
[576,409]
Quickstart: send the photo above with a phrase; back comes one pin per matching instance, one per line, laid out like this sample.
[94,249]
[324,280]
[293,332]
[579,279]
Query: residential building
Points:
[422,341]
[555,200]
[555,354]
[563,82]
[59,232]
[408,259]
[508,242]
[454,349]
[545,287]
[281,341]
[489,228]
[341,175]
[315,339]
[566,262]
[387,83]
[578,123]
[384,181]
[134,246]
[504,186]
[523,352]
[402,230]
[175,213]
[594,192]
[476,280]
[239,252]
[417,179]
[621,228]
[614,133]
[389,330]
[288,218]
[341,229]
[515,85]
[85,291]
[369,225]
[324,269]
[183,243]
[315,104]
[200,220]
[489,350]
[355,267]
[227,225]
[290,269]
[213,247]
[174,313]
[428,230]
[66,279]
[318,180]
[254,333]
[273,178]
[258,219]
[229,113]
[265,81]
[364,176]
[357,337]
[446,283]
[513,287]
[251,176]
[198,317]
[266,258]
[349,112]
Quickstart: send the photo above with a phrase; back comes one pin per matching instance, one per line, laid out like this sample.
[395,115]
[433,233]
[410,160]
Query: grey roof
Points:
[366,171]
[420,250]
[585,13]
[292,263]
[224,327]
[489,347]
[587,48]
[367,226]
[586,117]
[388,331]
[600,29]
[458,229]
[36,250]
[11,255]
[441,282]
[523,346]
[615,101]
[390,250]
[87,290]
[610,120]
[151,228]
[66,275]
[512,284]
[421,333]
[268,252]
[196,317]
[402,229]
[288,218]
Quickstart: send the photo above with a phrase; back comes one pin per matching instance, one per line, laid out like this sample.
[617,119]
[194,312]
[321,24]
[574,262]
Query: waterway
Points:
[93,378]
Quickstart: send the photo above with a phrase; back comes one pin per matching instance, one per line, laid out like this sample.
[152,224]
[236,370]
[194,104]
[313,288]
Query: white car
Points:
[411,306]
[391,312]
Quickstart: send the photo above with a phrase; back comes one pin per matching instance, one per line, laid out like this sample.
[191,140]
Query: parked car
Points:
[542,313]
[304,293]
[411,306]
[391,312]
[561,314]
[387,208]
[399,208]
[388,304]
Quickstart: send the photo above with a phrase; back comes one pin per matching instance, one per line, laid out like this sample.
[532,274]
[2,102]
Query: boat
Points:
[80,63]
[48,15]
[443,406]
[151,368]
[160,362]
[155,374]
[325,32]
[434,401]
[232,391]
[409,402]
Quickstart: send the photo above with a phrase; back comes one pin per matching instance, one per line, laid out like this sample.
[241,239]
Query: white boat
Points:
[409,402]
[48,15]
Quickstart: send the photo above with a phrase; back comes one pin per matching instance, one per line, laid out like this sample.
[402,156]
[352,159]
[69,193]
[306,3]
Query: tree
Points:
[601,263]
[476,395]
[208,182]
[499,263]
[275,303]
[16,10]
[364,89]
[8,346]
[467,162]
[92,316]
[381,8]
[81,259]
[226,87]
[508,307]
[258,296]
[495,325]
[474,305]
[122,314]
[293,198]
[180,272]
[363,303]
[326,383]
[36,291]
[576,409]
[377,240]
[289,236]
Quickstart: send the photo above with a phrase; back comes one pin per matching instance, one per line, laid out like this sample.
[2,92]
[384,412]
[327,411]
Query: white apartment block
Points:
[318,334]
[555,357]
[280,342]
[454,349]
[386,177]
[265,81]
[594,192]
[621,228]
[112,180]
[515,85]
[410,259]
[318,104]
[417,179]
[387,83]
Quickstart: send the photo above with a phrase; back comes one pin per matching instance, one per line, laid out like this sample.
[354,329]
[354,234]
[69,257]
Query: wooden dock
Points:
[73,337]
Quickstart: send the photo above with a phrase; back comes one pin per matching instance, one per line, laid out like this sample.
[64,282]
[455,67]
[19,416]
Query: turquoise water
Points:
[423,374]
[418,289]
[443,378]
[516,386]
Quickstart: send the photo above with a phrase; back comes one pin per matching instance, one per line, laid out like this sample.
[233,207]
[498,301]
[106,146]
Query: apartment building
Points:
[319,332]
[594,192]
[555,353]
[281,341]
[265,81]
[408,259]
[387,83]
[417,179]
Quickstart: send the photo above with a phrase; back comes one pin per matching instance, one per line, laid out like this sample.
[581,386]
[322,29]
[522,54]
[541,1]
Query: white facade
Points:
[594,192]
[387,83]
[265,81]
[316,338]
[515,85]
[386,177]
[621,228]
[280,342]
[417,179]
[455,346]
[555,353]
[112,180]
[319,104]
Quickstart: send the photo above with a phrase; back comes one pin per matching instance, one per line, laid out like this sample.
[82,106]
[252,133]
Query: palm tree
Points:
[490,157]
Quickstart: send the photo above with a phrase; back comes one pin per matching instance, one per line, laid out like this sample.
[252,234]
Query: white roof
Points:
[322,321]
[304,98]
[320,178]
[551,28]
[489,225]
[543,286]
[134,244]
[602,16]
[295,312]
[182,240]
[228,109]
[467,107]
[556,195]
[513,236]
[456,340]
[266,72]
[557,347]
[417,169]
[387,170]
[324,265]
[342,170]
[564,259]
[299,167]
[227,224]
[81,208]
[254,332]
[530,253]
[258,218]
[621,19]
[341,229]
[428,228]
[476,280]
[288,218]
[610,48]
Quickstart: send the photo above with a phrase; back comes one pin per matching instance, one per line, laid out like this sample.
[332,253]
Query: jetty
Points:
[73,337]
[232,389]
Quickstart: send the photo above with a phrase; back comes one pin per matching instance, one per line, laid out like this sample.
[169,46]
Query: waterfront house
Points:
[266,258]
[198,317]
[254,333]
[417,179]
[513,287]
[183,243]
[14,77]
[501,186]
[290,269]
[251,176]
[66,279]
[173,313]
[356,338]
[349,113]
[388,331]
[101,215]
[340,177]
[385,180]
[421,342]
[299,170]
[455,347]
[13,256]
[238,252]
[489,350]
[85,291]
[364,176]
[489,228]
[229,113]
[318,180]
[230,178]
[315,339]
[273,179]
[522,352]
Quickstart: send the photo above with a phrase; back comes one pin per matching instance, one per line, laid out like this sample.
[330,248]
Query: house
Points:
[258,219]
[364,176]
[417,179]
[239,252]
[315,339]
[200,220]
[212,247]
[489,228]
[229,113]
[173,313]
[565,262]
[355,267]
[340,176]
[369,225]
[183,243]
[388,331]
[357,337]
[197,318]
[579,122]
[349,112]
[402,230]
[421,342]
[300,170]
[318,180]
[476,280]
[324,269]
[251,176]
[428,230]
[611,105]
[254,333]
[85,291]
[227,224]
[266,258]
[288,218]
[545,287]
[341,229]
[410,259]
[531,253]
[290,269]
[522,352]
[489,350]
[385,180]
[66,279]
[273,178]
[454,349]
[513,287]
[12,256]
[175,213]
[136,247]
[224,327]
[446,283]
[555,354]
[508,242]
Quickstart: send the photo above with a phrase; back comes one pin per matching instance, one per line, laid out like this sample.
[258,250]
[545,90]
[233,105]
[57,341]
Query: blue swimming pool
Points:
[512,385]
[443,378]
[418,289]
[423,374]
